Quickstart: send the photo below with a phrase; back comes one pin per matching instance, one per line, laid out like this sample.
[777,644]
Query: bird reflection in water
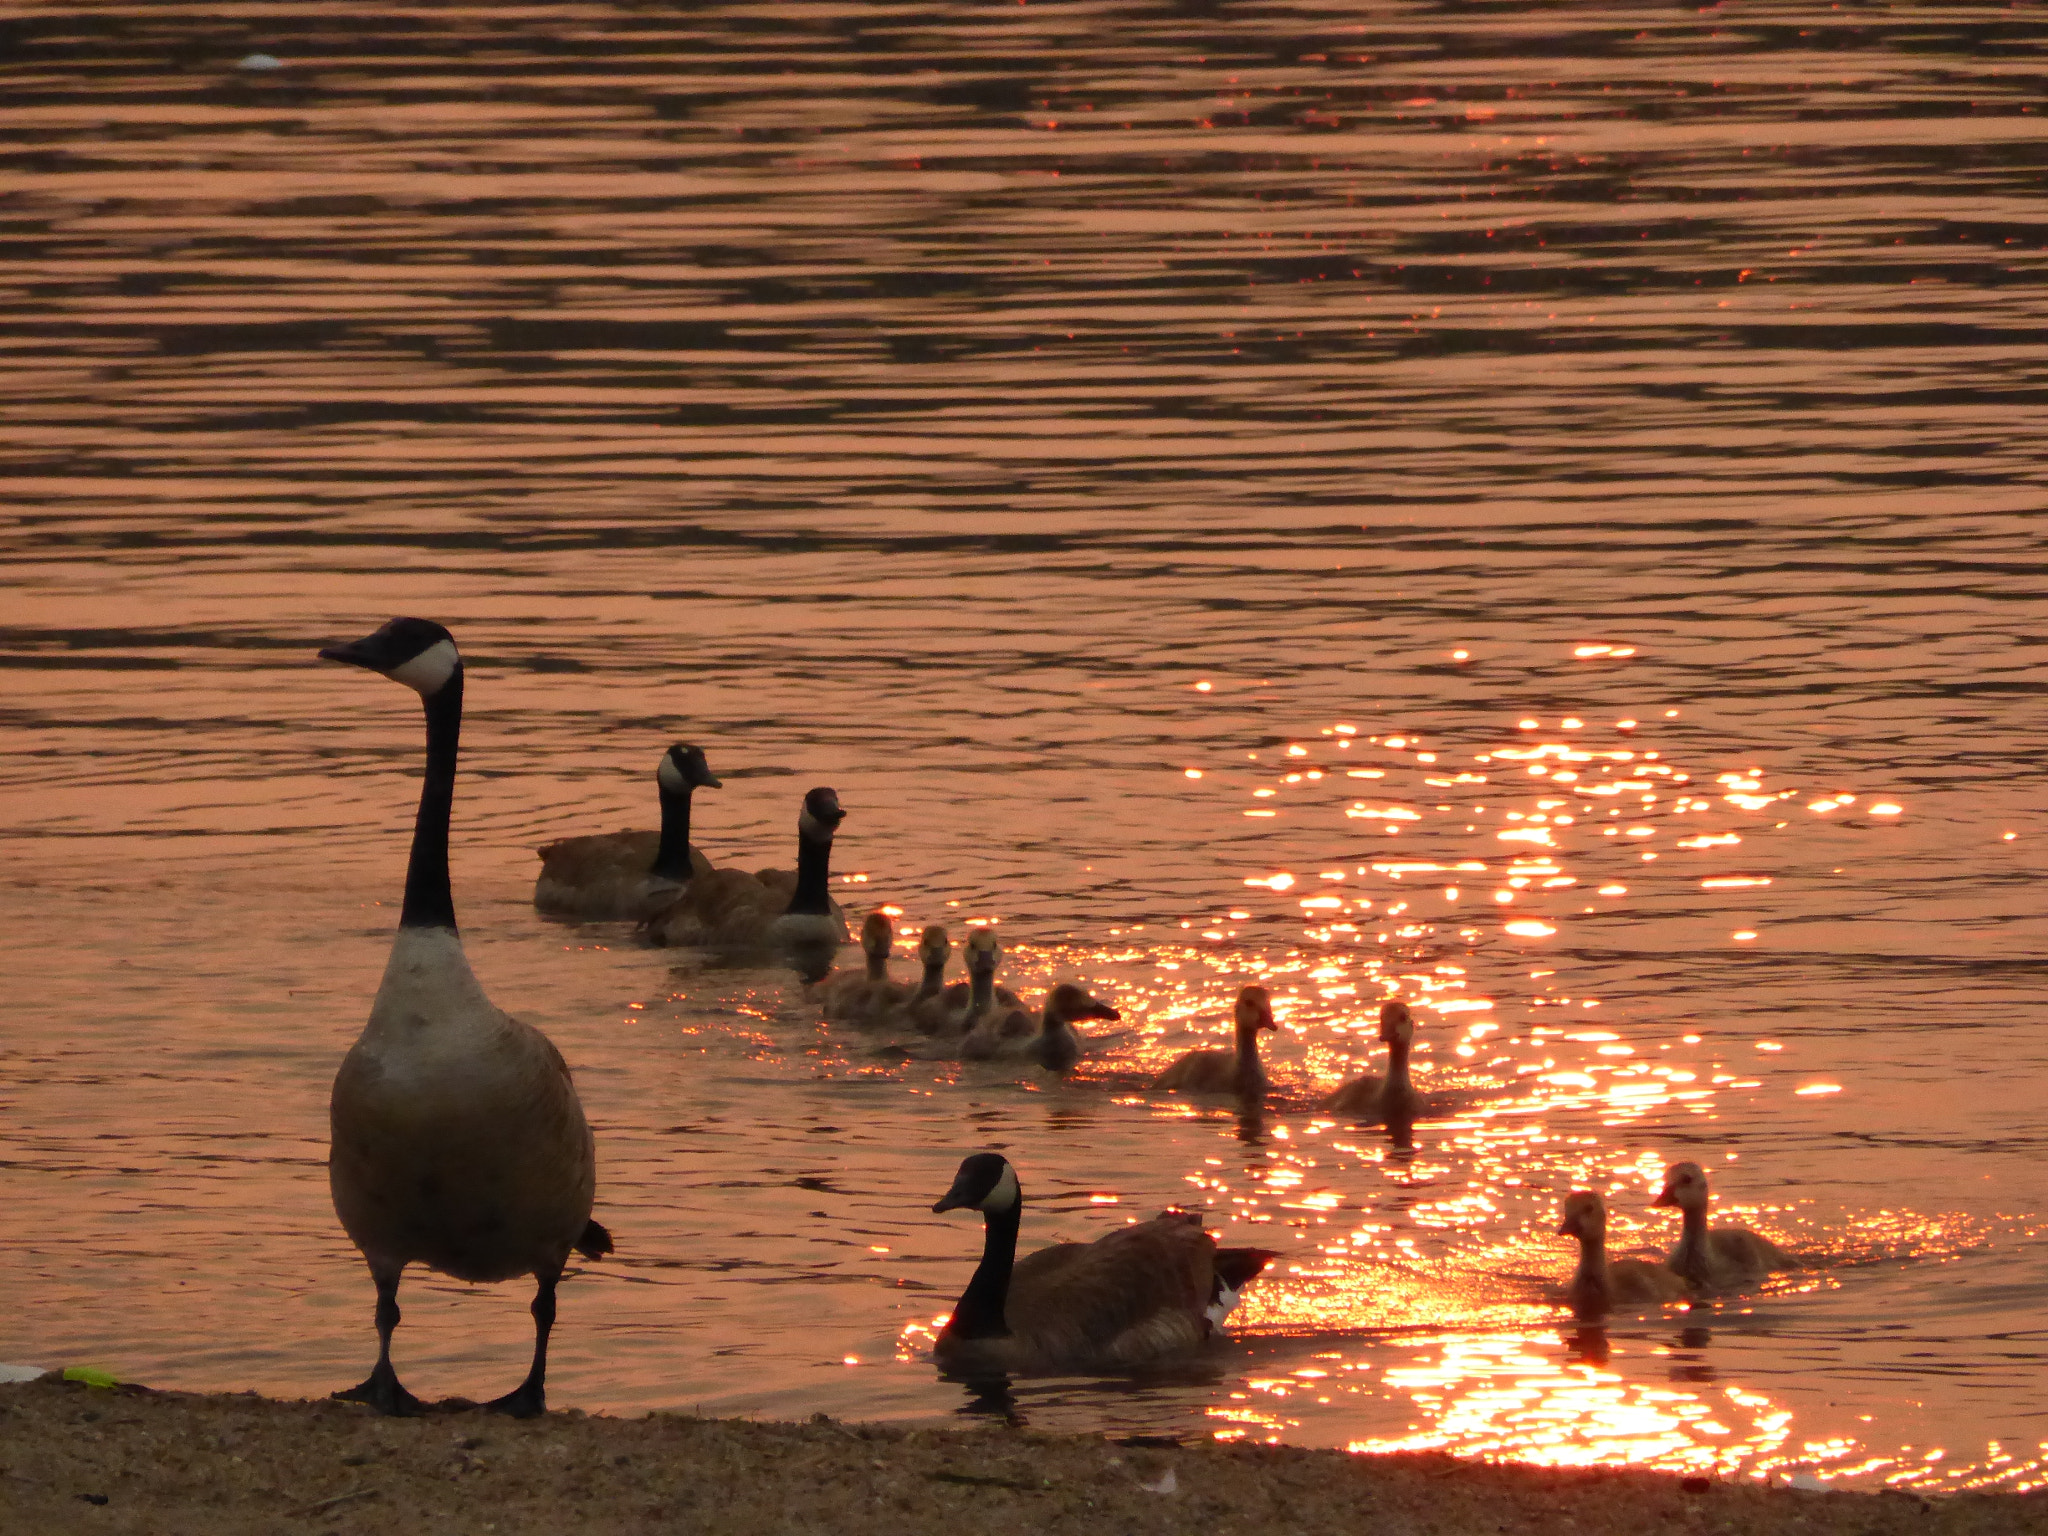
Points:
[989,1397]
[1690,1367]
[1251,1122]
[1587,1343]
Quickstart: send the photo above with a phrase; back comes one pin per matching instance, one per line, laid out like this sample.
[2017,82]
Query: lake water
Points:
[1134,453]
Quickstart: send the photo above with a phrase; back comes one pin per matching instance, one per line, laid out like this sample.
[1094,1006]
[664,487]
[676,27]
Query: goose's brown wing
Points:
[595,876]
[1135,1293]
[1201,1071]
[591,857]
[1359,1096]
[1746,1252]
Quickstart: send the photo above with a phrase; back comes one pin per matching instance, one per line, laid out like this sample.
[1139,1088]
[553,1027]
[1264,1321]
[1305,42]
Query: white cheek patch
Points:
[1005,1195]
[1224,1304]
[669,776]
[428,673]
[813,828]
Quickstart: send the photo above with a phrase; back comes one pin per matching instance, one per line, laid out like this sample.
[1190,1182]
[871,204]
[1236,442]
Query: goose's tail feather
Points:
[595,1242]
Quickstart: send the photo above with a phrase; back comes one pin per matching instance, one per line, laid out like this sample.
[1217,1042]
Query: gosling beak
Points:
[1266,1022]
[1666,1198]
[1099,1010]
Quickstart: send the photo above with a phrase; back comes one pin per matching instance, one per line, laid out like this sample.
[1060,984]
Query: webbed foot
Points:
[384,1393]
[526,1401]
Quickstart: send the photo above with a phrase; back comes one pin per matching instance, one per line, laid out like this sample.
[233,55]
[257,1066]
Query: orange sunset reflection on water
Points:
[1423,1269]
[1550,537]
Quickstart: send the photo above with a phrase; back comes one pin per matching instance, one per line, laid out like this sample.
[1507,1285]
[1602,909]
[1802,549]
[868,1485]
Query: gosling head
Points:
[416,652]
[1254,1011]
[933,945]
[821,815]
[877,936]
[1070,1003]
[1397,1024]
[1585,1217]
[1685,1186]
[983,950]
[986,1182]
[683,769]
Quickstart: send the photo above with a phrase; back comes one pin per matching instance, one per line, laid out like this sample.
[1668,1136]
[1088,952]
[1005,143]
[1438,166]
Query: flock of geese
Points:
[458,1140]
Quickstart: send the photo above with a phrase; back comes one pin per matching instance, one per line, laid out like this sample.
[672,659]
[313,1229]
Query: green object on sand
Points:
[91,1375]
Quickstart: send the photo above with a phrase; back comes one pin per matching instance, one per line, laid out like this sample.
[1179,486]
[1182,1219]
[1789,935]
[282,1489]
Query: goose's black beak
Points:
[357,653]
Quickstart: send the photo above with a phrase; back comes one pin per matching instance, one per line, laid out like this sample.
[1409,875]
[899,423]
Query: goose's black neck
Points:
[813,892]
[672,857]
[979,1312]
[429,902]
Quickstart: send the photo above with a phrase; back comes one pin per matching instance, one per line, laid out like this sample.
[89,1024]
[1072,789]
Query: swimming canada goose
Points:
[1137,1294]
[458,1139]
[630,874]
[1390,1098]
[1056,1046]
[1713,1258]
[729,908]
[925,1008]
[1601,1284]
[986,1011]
[922,1007]
[860,996]
[1238,1071]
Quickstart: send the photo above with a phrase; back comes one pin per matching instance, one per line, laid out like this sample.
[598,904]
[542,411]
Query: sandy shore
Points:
[76,1458]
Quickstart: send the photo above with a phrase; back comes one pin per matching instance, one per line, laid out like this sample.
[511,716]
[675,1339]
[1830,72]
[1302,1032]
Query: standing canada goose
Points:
[1715,1258]
[630,874]
[1239,1071]
[1391,1098]
[857,996]
[458,1139]
[729,908]
[1599,1284]
[1140,1293]
[1056,1046]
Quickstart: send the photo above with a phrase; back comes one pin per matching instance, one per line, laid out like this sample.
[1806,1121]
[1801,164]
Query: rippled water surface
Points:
[1532,512]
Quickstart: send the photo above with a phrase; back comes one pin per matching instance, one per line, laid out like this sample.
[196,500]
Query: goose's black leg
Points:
[530,1398]
[382,1391]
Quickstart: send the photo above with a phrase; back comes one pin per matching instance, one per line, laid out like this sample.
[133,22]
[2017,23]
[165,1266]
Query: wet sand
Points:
[76,1458]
